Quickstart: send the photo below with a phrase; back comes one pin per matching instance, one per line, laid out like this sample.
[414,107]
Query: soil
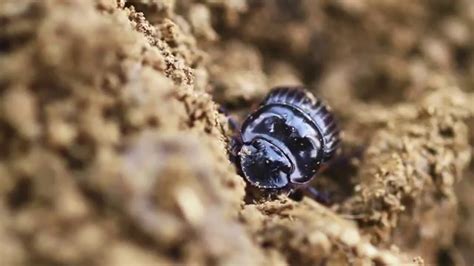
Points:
[113,151]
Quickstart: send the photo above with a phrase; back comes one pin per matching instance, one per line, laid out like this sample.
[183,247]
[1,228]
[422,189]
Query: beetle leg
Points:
[234,147]
[343,160]
[234,125]
[235,142]
[297,192]
[318,196]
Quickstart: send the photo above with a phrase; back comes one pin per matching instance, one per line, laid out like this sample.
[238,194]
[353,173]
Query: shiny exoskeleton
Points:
[283,144]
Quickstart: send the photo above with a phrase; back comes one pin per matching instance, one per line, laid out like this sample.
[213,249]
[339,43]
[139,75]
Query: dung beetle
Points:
[283,144]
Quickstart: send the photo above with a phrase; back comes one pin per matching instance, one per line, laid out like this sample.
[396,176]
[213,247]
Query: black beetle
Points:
[283,144]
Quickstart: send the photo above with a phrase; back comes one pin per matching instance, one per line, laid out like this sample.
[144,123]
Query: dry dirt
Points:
[112,151]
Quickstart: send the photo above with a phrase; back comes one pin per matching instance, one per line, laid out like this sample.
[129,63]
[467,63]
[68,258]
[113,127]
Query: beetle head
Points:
[264,165]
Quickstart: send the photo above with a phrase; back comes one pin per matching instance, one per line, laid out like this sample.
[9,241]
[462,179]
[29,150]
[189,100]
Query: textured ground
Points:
[112,151]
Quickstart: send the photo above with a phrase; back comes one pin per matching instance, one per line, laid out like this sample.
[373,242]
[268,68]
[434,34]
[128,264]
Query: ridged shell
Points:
[317,111]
